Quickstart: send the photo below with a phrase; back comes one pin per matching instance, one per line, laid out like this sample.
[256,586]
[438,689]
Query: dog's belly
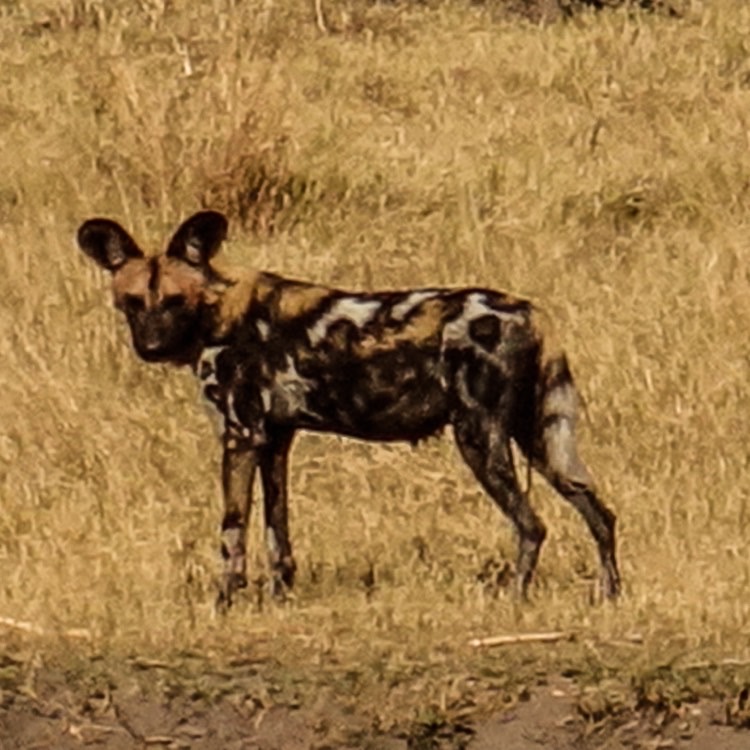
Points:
[377,399]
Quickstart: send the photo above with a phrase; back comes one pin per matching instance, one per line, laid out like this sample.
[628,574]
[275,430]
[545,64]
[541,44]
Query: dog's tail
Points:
[545,423]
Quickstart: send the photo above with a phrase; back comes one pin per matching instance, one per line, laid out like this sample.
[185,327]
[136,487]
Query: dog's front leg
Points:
[237,473]
[273,473]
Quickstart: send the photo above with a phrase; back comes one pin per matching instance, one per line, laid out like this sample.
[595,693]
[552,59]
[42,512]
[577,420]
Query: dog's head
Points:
[163,296]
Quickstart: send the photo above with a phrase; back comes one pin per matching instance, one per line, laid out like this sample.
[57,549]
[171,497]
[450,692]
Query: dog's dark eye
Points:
[173,301]
[134,303]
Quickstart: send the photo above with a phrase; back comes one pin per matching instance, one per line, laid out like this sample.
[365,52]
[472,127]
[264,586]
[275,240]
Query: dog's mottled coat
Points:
[277,355]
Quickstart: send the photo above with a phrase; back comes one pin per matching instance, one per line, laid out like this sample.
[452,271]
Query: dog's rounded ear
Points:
[199,238]
[107,243]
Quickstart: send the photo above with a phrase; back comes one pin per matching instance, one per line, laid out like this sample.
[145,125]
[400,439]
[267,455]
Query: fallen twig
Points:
[319,18]
[728,662]
[29,627]
[553,636]
[519,638]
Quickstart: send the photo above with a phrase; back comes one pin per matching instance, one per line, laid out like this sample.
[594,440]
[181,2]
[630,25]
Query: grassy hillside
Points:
[600,166]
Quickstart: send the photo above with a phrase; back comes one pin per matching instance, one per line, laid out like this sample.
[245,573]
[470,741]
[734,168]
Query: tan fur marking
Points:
[301,298]
[512,300]
[132,278]
[179,278]
[422,328]
[233,297]
[546,334]
[174,278]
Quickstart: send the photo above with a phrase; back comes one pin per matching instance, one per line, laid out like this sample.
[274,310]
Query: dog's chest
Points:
[249,383]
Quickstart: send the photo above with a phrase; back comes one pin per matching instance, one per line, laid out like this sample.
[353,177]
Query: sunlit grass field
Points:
[600,166]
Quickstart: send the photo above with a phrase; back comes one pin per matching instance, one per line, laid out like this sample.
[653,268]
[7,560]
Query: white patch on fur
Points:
[289,391]
[193,252]
[401,309]
[272,544]
[232,539]
[559,438]
[206,372]
[562,401]
[475,306]
[265,397]
[264,329]
[358,311]
[462,389]
[206,367]
[231,413]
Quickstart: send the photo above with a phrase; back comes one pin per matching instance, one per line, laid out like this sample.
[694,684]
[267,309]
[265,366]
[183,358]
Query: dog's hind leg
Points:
[486,450]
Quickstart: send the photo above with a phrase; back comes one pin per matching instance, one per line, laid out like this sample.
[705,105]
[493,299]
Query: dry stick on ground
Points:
[553,636]
[728,662]
[512,640]
[29,627]
[319,18]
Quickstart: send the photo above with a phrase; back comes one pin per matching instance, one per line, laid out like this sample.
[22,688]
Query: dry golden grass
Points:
[601,166]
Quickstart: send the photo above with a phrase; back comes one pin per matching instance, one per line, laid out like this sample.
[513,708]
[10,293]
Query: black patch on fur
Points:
[393,395]
[106,242]
[153,274]
[203,233]
[484,381]
[454,303]
[485,331]
[340,337]
[239,372]
[205,370]
[551,419]
[506,303]
[231,520]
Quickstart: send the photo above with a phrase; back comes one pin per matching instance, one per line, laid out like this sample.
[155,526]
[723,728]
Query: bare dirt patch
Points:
[141,705]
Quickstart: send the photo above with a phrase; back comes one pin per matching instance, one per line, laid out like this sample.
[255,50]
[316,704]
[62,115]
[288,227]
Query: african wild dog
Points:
[276,355]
